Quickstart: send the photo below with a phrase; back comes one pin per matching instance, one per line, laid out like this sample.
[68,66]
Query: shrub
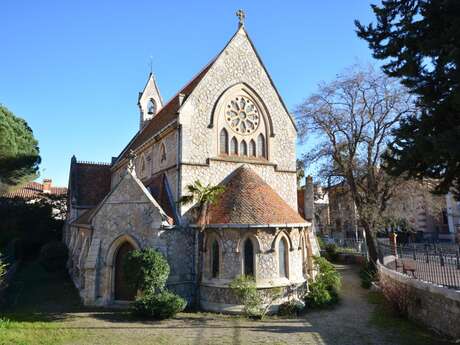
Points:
[147,270]
[367,273]
[291,308]
[2,270]
[321,243]
[256,304]
[53,256]
[331,252]
[324,290]
[162,305]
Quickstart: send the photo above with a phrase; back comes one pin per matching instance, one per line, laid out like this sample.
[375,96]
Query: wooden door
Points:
[123,292]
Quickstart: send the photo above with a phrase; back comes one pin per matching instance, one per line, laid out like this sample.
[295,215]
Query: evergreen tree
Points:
[420,43]
[19,153]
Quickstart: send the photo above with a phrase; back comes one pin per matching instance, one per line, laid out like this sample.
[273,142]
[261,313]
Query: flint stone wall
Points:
[434,306]
[215,294]
[129,214]
[237,64]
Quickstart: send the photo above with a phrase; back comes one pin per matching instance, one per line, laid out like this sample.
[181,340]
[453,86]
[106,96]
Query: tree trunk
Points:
[371,244]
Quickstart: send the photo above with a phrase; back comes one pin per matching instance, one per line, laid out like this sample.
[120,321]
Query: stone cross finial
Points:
[241,16]
[131,157]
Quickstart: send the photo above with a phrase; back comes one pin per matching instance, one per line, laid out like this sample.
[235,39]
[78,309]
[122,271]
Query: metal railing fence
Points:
[432,263]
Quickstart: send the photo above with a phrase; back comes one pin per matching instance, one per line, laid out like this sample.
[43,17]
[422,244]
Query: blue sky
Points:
[73,69]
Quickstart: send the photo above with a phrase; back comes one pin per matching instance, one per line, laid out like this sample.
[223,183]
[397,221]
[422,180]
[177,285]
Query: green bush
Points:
[290,308]
[162,305]
[321,243]
[32,224]
[2,270]
[147,271]
[324,290]
[53,256]
[331,252]
[368,274]
[256,304]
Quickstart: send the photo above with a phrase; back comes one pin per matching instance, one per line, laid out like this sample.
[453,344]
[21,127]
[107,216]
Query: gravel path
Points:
[347,324]
[61,320]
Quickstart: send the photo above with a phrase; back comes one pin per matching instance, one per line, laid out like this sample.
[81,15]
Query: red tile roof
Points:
[250,200]
[158,187]
[89,183]
[166,115]
[33,190]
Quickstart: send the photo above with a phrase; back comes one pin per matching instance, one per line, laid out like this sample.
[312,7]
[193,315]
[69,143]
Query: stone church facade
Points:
[227,126]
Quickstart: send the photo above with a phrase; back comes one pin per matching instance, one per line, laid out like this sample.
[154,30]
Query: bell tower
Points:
[149,101]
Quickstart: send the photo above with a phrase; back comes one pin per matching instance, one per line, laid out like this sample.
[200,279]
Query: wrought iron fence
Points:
[352,245]
[438,264]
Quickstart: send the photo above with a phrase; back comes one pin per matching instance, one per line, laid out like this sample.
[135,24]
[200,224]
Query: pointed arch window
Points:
[283,258]
[224,142]
[234,146]
[252,148]
[162,153]
[151,107]
[143,166]
[261,145]
[244,148]
[248,259]
[215,259]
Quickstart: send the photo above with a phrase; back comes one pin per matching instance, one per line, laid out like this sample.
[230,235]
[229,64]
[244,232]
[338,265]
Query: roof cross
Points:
[241,16]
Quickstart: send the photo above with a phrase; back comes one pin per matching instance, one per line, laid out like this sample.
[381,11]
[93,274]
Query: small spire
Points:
[241,16]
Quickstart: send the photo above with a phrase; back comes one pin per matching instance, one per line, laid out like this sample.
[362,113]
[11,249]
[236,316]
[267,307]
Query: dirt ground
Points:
[355,321]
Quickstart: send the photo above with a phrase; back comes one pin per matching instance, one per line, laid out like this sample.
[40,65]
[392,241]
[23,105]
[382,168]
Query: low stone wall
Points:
[436,307]
[350,258]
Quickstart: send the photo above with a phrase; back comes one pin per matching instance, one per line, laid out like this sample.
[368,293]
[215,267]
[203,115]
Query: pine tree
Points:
[19,152]
[420,43]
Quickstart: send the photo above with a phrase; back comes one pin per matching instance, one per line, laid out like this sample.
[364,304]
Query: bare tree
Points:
[351,120]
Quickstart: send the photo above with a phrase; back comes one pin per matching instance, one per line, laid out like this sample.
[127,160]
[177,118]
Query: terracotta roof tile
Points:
[90,183]
[250,200]
[32,190]
[166,115]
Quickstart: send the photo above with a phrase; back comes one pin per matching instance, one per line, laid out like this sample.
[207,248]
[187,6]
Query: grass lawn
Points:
[45,309]
[409,332]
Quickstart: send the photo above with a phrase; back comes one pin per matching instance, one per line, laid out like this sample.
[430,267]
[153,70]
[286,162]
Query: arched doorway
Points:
[123,292]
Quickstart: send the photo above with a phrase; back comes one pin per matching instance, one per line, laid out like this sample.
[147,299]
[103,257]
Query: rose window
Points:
[242,115]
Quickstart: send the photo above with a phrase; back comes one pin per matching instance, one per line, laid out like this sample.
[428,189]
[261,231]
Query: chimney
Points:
[47,186]
[308,203]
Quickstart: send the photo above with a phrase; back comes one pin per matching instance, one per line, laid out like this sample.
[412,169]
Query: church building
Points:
[228,126]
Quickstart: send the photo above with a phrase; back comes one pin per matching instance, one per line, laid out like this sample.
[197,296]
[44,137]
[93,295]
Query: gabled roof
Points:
[89,183]
[33,190]
[85,218]
[158,188]
[166,115]
[169,112]
[248,199]
[151,78]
